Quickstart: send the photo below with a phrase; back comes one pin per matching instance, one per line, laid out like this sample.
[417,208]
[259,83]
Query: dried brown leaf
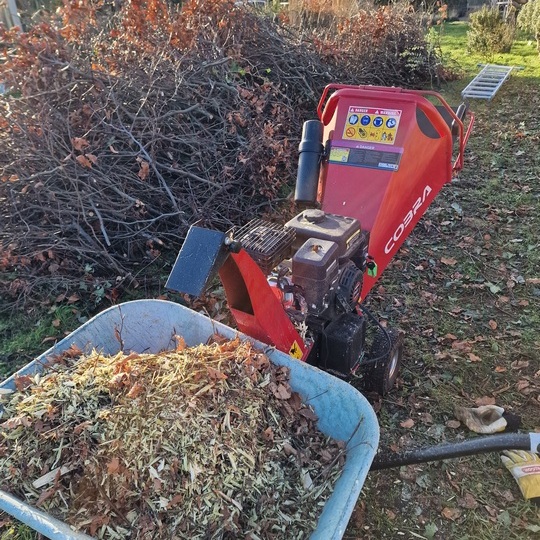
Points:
[408,424]
[79,143]
[144,169]
[519,364]
[84,162]
[281,391]
[22,382]
[451,513]
[468,501]
[113,466]
[135,391]
[16,421]
[306,412]
[180,343]
[215,374]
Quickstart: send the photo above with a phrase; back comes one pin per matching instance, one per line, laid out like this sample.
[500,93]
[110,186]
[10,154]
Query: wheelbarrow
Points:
[344,413]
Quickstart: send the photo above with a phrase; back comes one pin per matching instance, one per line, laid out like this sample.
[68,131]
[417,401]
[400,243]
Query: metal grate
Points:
[266,242]
[487,83]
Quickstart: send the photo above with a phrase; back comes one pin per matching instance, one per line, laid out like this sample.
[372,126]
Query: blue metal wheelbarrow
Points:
[149,326]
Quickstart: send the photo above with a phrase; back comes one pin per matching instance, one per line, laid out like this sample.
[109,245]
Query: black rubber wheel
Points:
[381,376]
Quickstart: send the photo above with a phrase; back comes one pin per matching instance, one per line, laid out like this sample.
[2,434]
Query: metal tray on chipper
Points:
[149,326]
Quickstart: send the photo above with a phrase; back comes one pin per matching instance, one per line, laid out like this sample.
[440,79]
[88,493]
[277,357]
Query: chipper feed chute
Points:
[387,153]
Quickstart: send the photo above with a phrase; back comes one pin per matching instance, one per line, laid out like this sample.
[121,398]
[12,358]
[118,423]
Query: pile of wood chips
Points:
[201,442]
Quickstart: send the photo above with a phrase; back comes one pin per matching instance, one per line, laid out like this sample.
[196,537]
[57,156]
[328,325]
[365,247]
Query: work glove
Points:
[525,468]
[486,419]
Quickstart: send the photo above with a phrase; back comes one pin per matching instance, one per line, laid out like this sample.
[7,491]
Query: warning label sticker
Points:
[371,156]
[295,350]
[370,124]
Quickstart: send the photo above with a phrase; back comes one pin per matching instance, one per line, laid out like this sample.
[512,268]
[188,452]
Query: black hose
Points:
[479,445]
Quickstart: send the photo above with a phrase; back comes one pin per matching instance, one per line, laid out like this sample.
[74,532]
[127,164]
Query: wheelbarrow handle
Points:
[479,445]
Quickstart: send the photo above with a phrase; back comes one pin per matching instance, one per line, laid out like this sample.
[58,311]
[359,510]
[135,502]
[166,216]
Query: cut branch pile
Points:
[119,130]
[201,442]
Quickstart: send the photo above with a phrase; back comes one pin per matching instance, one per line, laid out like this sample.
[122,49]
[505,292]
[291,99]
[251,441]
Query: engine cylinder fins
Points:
[267,243]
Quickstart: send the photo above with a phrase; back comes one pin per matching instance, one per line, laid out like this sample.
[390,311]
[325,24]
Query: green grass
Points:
[17,531]
[452,38]
[25,336]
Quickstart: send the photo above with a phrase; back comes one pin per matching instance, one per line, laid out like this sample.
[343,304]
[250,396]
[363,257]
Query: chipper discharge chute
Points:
[368,170]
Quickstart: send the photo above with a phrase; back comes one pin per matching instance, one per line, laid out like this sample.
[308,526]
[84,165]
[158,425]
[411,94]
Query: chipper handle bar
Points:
[326,110]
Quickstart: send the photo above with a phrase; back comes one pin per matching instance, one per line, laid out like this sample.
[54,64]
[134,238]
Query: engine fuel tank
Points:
[314,223]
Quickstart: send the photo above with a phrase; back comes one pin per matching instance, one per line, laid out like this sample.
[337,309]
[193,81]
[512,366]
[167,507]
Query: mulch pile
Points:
[201,442]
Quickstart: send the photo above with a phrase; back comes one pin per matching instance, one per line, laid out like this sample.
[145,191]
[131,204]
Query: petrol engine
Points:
[315,264]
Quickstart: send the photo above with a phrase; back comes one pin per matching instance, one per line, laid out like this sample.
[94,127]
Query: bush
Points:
[121,127]
[488,34]
[528,20]
[384,45]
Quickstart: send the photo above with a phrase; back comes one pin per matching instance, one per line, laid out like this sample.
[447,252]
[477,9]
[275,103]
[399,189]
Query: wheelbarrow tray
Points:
[149,326]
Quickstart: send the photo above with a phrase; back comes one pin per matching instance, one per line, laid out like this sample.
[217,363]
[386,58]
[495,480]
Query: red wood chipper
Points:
[368,169]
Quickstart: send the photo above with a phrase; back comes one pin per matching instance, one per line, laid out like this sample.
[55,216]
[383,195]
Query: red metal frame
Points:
[388,203]
[256,309]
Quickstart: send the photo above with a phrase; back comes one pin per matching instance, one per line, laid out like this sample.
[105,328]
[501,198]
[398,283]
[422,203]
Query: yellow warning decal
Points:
[339,154]
[372,124]
[295,350]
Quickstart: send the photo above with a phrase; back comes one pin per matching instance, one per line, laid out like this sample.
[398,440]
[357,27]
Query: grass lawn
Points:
[465,292]
[453,41]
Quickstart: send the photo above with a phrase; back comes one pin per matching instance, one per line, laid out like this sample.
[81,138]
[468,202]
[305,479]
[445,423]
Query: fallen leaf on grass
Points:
[484,400]
[493,324]
[474,358]
[507,495]
[451,513]
[463,346]
[449,261]
[519,364]
[408,424]
[468,501]
[453,424]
